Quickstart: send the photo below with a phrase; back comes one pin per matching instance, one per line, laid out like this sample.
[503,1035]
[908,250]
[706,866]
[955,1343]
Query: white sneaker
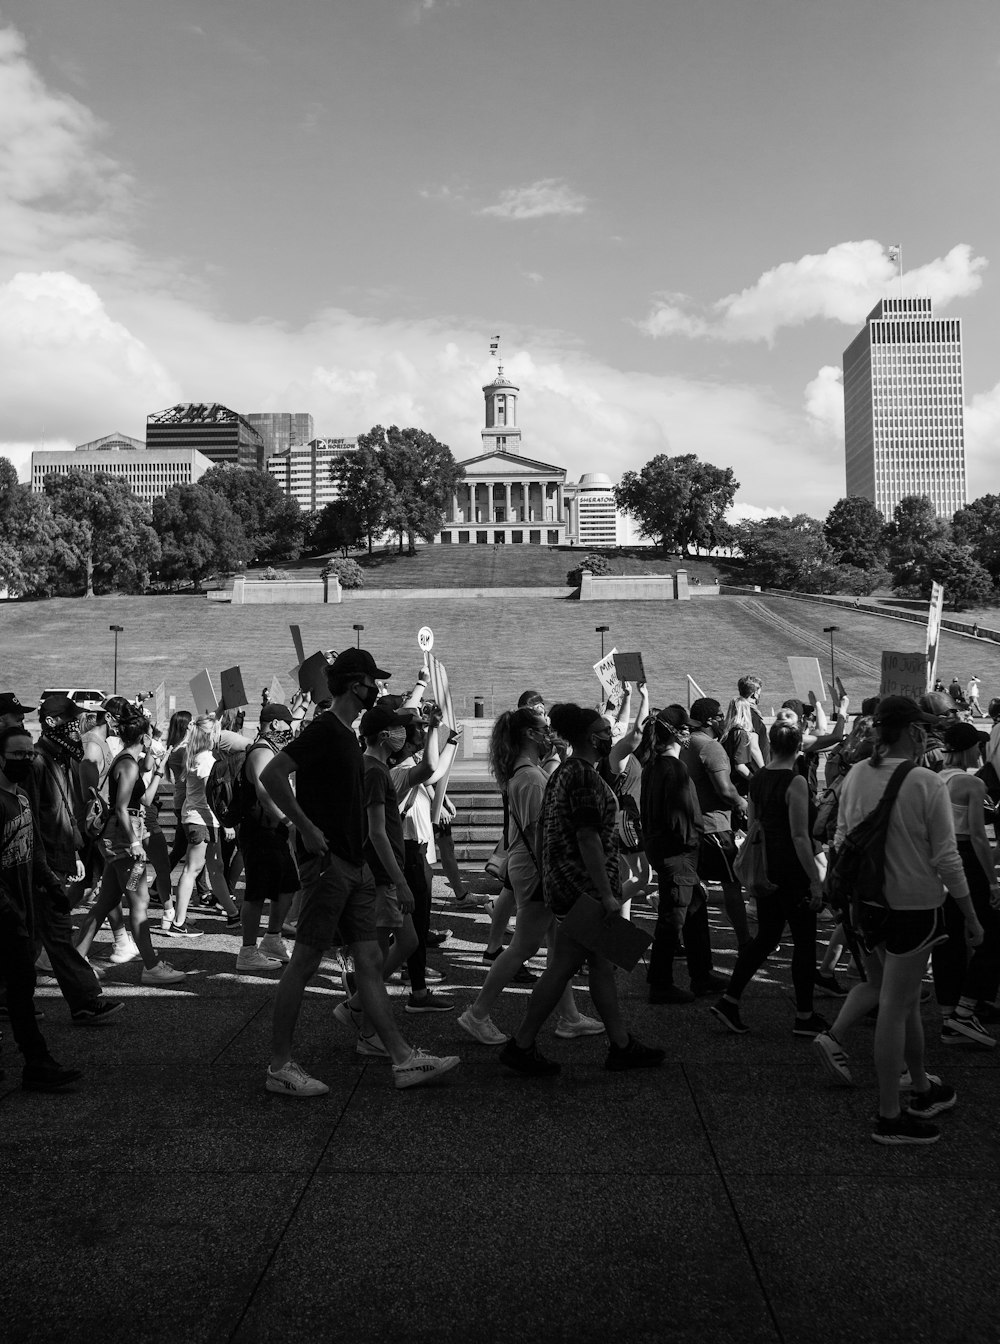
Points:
[371,1045]
[348,1016]
[484,1030]
[161,974]
[124,950]
[253,959]
[293,1081]
[471,899]
[96,967]
[581,1026]
[273,945]
[423,1068]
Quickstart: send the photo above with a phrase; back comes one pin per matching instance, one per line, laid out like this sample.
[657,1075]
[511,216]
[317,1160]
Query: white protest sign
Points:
[692,685]
[607,675]
[276,695]
[904,674]
[425,638]
[933,634]
[203,693]
[160,702]
[807,678]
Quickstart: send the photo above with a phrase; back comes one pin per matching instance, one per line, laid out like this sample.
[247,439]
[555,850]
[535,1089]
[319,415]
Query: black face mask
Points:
[69,747]
[17,771]
[602,745]
[369,697]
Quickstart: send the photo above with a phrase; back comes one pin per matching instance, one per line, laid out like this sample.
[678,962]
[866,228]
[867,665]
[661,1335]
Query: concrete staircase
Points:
[478,822]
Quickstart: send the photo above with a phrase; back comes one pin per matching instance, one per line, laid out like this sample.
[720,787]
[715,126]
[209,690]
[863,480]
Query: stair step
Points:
[494,817]
[481,835]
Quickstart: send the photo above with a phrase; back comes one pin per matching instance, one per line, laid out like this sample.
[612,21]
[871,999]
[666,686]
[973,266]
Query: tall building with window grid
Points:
[305,472]
[903,408]
[149,471]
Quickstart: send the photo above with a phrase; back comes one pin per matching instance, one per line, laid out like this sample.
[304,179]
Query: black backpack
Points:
[856,880]
[226,793]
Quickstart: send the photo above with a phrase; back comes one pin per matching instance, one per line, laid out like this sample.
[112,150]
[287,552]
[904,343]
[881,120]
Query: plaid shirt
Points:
[576,799]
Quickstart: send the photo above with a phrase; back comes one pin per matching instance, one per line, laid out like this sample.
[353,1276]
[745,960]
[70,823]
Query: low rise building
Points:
[305,472]
[149,471]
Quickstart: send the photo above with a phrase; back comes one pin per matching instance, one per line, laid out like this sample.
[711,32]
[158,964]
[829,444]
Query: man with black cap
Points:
[328,812]
[269,869]
[12,712]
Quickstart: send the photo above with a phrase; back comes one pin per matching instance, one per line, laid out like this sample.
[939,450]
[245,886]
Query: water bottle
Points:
[136,872]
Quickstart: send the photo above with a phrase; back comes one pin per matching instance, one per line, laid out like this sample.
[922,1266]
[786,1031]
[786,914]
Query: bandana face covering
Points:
[66,736]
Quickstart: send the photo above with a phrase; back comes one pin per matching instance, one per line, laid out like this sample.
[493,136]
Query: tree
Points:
[364,487]
[965,581]
[853,530]
[336,527]
[914,530]
[199,534]
[422,475]
[35,553]
[273,523]
[787,553]
[978,526]
[106,526]
[678,501]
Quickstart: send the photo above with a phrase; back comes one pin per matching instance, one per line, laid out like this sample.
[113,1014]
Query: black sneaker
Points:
[48,1076]
[182,931]
[810,1026]
[829,985]
[234,923]
[729,1014]
[634,1055]
[523,977]
[939,1097]
[528,1060]
[490,957]
[903,1128]
[438,937]
[98,1011]
[671,994]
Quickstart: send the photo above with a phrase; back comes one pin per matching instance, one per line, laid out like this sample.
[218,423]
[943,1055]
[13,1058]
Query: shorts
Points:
[911,932]
[269,870]
[388,913]
[198,834]
[335,894]
[716,855]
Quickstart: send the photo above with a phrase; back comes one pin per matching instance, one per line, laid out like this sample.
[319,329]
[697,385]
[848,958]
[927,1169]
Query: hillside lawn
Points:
[495,649]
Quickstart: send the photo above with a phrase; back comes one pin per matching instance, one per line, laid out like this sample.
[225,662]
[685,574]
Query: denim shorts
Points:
[335,895]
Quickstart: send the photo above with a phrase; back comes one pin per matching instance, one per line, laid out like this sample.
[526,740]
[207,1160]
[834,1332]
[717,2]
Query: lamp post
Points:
[359,628]
[117,630]
[602,630]
[831,630]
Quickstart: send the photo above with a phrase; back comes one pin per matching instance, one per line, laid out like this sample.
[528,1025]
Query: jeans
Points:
[17,967]
[76,979]
[680,890]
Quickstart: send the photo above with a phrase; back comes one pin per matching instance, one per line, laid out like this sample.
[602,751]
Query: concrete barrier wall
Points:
[626,587]
[891,613]
[279,592]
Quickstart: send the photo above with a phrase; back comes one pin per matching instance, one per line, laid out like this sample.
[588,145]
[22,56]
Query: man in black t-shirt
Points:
[328,812]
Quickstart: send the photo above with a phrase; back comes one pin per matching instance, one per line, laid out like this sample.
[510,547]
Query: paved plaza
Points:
[733,1195]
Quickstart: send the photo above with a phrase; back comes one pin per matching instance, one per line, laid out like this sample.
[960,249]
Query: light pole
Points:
[118,630]
[602,630]
[831,630]
[359,628]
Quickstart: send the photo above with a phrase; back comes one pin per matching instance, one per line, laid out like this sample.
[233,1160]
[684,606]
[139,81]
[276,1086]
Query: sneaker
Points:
[431,975]
[528,1060]
[97,968]
[810,1026]
[829,985]
[470,900]
[490,957]
[348,982]
[423,1068]
[925,1105]
[253,959]
[654,903]
[47,1076]
[903,1128]
[438,937]
[711,984]
[161,974]
[234,923]
[348,1016]
[484,1030]
[634,1055]
[833,1058]
[123,951]
[96,1012]
[183,931]
[965,1030]
[906,1080]
[164,930]
[430,1003]
[568,1030]
[273,945]
[289,930]
[671,994]
[372,1046]
[523,977]
[293,1081]
[729,1014]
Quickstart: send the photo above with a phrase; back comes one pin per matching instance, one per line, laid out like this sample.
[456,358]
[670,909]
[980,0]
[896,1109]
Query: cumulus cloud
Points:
[547,196]
[824,402]
[842,284]
[753,513]
[982,443]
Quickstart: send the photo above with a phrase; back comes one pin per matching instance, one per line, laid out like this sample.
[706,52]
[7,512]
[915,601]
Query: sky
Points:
[676,216]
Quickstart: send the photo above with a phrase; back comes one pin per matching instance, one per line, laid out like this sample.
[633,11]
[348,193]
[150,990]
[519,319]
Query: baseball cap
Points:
[674,716]
[275,711]
[9,704]
[901,709]
[528,699]
[938,703]
[378,719]
[359,661]
[960,736]
[58,706]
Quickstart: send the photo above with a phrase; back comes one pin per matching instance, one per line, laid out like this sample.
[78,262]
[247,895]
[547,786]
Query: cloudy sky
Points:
[676,214]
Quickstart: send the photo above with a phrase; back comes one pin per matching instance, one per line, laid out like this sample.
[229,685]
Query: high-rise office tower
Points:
[281,430]
[223,436]
[903,416]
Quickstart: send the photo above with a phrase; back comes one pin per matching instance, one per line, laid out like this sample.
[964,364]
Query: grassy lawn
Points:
[491,648]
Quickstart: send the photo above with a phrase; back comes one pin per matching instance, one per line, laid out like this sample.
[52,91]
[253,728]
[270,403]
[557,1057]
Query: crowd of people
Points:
[335,812]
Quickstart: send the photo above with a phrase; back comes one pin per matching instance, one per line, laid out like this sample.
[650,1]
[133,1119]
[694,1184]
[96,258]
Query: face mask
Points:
[602,745]
[16,771]
[66,736]
[367,695]
[396,738]
[279,737]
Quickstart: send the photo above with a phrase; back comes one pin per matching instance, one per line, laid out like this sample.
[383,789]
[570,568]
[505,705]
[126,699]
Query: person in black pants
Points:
[672,827]
[780,801]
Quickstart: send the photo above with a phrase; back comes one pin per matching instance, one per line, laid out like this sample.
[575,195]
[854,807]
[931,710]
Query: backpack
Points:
[629,822]
[825,826]
[856,878]
[750,866]
[96,812]
[225,794]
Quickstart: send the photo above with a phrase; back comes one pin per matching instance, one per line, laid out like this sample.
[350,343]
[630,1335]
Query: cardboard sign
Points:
[608,677]
[692,685]
[425,638]
[203,694]
[904,674]
[807,679]
[611,936]
[234,695]
[629,667]
[276,695]
[312,676]
[160,704]
[933,634]
[300,652]
[440,691]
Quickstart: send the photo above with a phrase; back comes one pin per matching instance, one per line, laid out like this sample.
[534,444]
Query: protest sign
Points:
[234,694]
[629,667]
[203,693]
[425,638]
[276,695]
[903,674]
[692,685]
[312,676]
[608,677]
[160,704]
[933,634]
[807,678]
